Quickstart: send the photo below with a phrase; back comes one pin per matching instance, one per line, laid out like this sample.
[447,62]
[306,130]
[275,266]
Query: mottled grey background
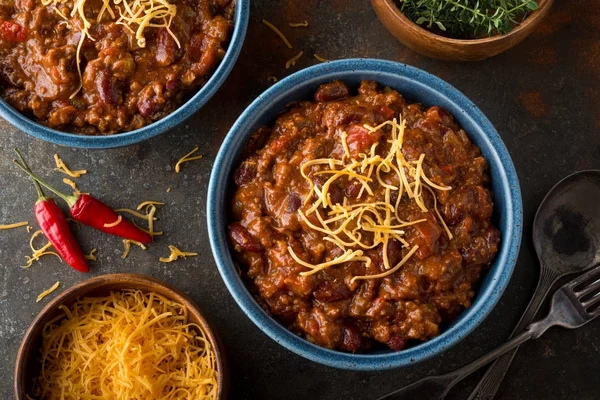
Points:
[543,97]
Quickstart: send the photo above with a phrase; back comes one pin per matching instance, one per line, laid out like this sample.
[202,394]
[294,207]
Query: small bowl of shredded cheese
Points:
[120,336]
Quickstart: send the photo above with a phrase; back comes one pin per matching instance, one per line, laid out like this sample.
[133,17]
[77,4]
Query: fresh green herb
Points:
[468,19]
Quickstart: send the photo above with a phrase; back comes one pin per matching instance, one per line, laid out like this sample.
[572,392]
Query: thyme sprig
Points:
[468,19]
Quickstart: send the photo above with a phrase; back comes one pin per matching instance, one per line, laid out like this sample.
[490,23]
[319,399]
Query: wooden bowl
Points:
[27,366]
[443,48]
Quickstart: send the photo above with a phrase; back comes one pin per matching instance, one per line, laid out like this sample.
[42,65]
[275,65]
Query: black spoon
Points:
[566,235]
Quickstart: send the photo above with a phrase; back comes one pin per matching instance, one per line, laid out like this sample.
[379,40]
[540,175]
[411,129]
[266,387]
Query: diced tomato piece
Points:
[360,139]
[12,32]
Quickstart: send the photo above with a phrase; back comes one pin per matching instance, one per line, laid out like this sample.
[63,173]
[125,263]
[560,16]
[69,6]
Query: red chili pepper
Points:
[92,212]
[54,225]
[12,32]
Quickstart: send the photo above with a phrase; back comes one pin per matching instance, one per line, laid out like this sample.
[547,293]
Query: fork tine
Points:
[589,303]
[591,288]
[593,274]
[596,312]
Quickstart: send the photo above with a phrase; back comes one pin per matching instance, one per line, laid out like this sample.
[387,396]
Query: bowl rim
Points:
[401,19]
[469,319]
[133,279]
[184,111]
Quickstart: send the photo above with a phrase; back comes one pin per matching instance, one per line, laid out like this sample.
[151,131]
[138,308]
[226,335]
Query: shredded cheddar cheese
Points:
[29,228]
[176,254]
[113,224]
[187,158]
[134,15]
[302,24]
[92,256]
[127,244]
[319,58]
[38,253]
[72,184]
[292,61]
[150,208]
[47,292]
[15,225]
[62,167]
[278,32]
[366,224]
[126,345]
[149,203]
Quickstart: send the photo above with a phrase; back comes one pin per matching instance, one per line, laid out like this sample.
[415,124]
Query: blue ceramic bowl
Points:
[242,12]
[415,85]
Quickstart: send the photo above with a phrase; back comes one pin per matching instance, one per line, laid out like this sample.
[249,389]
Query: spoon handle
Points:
[490,382]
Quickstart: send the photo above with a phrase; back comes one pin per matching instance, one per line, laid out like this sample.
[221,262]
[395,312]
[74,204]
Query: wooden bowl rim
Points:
[122,278]
[417,29]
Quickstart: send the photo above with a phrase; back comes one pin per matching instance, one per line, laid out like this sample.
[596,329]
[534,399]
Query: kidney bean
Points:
[245,173]
[151,100]
[196,47]
[396,343]
[172,85]
[106,87]
[335,90]
[352,341]
[165,48]
[353,189]
[240,236]
[329,291]
[293,203]
[394,252]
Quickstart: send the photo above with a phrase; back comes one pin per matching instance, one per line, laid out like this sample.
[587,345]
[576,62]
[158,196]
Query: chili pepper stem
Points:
[38,188]
[70,200]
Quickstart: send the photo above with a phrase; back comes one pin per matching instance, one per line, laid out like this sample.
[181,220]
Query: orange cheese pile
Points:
[127,345]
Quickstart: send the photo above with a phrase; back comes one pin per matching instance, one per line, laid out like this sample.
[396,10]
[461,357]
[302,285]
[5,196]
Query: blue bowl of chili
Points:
[416,85]
[187,109]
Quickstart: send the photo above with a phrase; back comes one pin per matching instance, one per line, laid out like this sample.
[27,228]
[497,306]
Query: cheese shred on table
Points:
[38,253]
[92,255]
[319,58]
[150,208]
[62,167]
[127,345]
[47,292]
[15,225]
[187,158]
[302,24]
[357,227]
[176,254]
[73,185]
[127,247]
[278,32]
[292,61]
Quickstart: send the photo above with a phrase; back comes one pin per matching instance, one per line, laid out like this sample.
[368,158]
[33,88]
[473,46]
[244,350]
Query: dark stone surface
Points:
[543,97]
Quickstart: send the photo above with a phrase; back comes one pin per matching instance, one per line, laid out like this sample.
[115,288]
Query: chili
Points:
[54,225]
[92,212]
[12,32]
